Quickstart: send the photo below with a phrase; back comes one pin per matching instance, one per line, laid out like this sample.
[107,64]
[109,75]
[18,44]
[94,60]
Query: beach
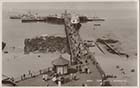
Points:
[120,20]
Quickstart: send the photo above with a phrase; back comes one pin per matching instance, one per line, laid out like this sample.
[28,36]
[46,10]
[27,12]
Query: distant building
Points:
[60,65]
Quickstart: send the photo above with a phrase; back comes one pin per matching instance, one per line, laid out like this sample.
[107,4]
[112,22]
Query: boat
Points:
[16,17]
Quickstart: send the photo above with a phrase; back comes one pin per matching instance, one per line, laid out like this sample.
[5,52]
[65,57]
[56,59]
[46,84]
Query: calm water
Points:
[120,20]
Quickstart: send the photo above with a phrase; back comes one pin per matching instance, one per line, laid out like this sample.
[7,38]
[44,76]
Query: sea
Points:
[120,21]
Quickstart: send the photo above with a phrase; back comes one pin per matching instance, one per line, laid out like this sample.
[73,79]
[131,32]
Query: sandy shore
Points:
[16,64]
[109,63]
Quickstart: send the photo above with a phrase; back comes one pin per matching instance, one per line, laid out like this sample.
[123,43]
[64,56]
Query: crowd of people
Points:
[78,49]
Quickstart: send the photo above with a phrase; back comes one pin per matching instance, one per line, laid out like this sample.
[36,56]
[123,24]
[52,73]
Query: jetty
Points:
[86,70]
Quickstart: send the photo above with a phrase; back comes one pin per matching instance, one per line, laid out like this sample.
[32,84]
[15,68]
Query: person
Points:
[40,71]
[86,61]
[77,68]
[127,56]
[59,81]
[101,83]
[62,79]
[57,74]
[74,76]
[80,68]
[84,84]
[24,76]
[45,77]
[31,75]
[71,76]
[88,70]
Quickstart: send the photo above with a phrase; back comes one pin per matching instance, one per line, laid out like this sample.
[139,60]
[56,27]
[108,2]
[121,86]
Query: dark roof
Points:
[60,61]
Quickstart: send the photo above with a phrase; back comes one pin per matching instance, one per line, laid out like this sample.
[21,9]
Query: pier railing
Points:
[31,74]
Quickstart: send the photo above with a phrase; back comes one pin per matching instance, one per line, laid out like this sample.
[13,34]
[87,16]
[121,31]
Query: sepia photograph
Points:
[70,44]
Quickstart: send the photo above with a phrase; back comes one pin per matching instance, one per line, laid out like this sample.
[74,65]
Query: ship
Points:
[16,17]
[56,19]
